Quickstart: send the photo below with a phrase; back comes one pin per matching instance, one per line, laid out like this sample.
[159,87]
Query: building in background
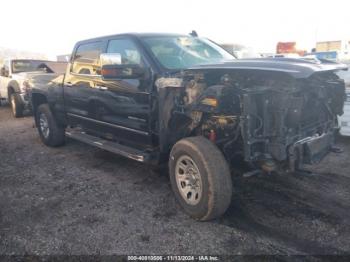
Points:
[338,50]
[6,53]
[63,58]
[286,49]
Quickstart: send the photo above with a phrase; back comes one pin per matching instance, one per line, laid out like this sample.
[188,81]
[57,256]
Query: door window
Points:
[86,59]
[127,49]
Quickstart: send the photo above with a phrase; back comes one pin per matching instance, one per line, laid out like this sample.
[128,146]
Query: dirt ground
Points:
[77,199]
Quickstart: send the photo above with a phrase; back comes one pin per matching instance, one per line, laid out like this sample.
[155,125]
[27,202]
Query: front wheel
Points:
[51,133]
[200,178]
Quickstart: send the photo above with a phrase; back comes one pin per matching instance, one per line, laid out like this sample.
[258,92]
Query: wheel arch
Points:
[12,87]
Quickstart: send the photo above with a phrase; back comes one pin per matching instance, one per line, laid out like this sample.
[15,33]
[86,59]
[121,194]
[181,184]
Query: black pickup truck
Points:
[183,100]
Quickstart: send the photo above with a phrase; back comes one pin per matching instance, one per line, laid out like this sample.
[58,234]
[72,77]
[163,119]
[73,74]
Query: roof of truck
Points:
[138,35]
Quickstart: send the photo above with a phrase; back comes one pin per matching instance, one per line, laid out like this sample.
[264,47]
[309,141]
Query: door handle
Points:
[70,84]
[102,87]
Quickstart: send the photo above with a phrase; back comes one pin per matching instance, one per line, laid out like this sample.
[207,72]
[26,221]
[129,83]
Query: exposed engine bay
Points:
[269,118]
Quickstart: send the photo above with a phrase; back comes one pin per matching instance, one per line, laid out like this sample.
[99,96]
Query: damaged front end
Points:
[273,114]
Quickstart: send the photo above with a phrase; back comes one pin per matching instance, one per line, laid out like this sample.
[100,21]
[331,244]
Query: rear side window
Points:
[86,59]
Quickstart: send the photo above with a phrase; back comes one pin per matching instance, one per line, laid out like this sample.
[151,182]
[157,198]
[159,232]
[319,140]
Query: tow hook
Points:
[267,167]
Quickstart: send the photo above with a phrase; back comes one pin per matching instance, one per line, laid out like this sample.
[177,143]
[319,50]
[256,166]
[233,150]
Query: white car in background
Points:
[17,77]
[344,120]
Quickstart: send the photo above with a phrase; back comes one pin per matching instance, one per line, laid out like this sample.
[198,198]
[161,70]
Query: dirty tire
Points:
[55,136]
[215,177]
[16,105]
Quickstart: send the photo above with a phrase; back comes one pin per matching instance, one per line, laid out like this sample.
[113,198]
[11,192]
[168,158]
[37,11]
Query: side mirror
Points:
[112,68]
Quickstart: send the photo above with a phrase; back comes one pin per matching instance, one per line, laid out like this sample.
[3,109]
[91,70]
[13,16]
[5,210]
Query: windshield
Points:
[19,66]
[180,52]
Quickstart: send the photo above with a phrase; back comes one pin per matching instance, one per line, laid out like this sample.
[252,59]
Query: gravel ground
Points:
[78,199]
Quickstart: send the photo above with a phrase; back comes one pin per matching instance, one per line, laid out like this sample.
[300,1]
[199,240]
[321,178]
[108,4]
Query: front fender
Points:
[14,85]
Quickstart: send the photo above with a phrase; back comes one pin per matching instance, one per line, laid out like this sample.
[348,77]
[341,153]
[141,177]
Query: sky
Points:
[52,27]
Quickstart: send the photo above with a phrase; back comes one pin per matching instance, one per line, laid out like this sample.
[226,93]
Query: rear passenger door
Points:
[80,81]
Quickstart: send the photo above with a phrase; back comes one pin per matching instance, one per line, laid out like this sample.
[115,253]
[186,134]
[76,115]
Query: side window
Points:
[86,59]
[127,49]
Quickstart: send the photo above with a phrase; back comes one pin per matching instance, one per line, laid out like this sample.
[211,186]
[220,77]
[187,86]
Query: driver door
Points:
[124,105]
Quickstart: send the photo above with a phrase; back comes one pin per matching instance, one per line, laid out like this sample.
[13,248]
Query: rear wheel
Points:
[200,178]
[16,105]
[51,133]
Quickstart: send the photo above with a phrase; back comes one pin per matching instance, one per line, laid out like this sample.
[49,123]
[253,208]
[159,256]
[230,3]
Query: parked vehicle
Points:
[344,120]
[16,80]
[333,50]
[337,51]
[159,98]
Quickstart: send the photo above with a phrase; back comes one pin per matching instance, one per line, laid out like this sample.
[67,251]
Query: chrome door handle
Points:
[102,87]
[68,84]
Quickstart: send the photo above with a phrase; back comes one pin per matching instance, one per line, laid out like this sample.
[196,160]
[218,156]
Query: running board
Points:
[109,146]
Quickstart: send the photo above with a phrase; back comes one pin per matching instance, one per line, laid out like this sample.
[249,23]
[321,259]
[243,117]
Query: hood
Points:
[297,68]
[19,76]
